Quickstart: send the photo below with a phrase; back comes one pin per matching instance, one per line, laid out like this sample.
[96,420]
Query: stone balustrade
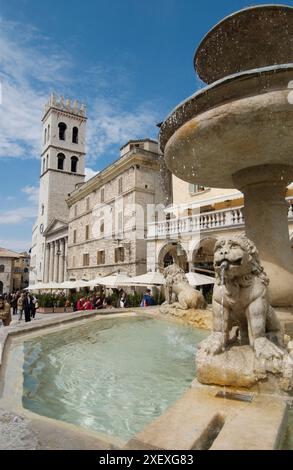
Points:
[206,221]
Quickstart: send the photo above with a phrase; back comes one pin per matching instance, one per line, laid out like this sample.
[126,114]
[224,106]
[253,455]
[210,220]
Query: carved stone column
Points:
[47,263]
[51,265]
[65,258]
[61,260]
[56,261]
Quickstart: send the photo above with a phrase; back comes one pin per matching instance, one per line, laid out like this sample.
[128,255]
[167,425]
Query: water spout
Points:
[224,266]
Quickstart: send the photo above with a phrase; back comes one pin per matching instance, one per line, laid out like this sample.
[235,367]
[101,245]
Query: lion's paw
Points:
[265,349]
[213,344]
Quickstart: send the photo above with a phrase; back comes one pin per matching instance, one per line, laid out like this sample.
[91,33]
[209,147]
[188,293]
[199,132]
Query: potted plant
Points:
[45,302]
[59,305]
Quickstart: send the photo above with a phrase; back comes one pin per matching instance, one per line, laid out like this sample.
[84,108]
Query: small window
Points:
[119,254]
[87,232]
[120,188]
[102,194]
[44,164]
[74,236]
[45,136]
[102,226]
[1,268]
[48,131]
[120,222]
[42,209]
[62,130]
[74,161]
[61,158]
[87,203]
[47,162]
[86,259]
[75,135]
[101,257]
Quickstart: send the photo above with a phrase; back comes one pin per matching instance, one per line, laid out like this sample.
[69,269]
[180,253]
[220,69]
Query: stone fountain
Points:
[237,131]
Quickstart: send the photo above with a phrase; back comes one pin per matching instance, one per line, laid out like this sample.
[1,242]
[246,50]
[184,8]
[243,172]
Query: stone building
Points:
[62,170]
[7,260]
[20,276]
[189,228]
[108,214]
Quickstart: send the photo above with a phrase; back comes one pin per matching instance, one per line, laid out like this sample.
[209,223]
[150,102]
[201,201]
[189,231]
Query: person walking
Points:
[20,306]
[33,306]
[147,299]
[5,314]
[27,308]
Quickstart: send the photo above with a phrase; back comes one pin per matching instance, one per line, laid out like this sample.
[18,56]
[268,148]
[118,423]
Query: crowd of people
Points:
[25,304]
[22,304]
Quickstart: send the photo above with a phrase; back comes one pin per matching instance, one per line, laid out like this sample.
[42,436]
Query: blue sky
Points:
[130,61]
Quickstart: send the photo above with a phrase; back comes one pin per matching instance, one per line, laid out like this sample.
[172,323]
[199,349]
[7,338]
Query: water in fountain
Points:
[224,266]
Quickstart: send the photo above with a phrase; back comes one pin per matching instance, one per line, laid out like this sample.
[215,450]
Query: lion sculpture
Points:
[240,299]
[177,283]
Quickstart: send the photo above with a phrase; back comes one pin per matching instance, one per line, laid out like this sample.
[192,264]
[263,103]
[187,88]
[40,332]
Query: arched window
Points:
[47,162]
[1,268]
[62,130]
[44,164]
[61,158]
[48,131]
[75,135]
[74,161]
[45,136]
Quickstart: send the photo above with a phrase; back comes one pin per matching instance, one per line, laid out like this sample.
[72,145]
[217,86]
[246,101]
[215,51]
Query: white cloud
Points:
[29,69]
[31,66]
[32,192]
[17,215]
[89,173]
[17,245]
[113,125]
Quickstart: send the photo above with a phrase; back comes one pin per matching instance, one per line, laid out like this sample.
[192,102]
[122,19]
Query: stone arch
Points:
[60,163]
[62,130]
[173,252]
[74,161]
[75,135]
[203,254]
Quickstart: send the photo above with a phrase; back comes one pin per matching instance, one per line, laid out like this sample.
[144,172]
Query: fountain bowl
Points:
[254,37]
[235,123]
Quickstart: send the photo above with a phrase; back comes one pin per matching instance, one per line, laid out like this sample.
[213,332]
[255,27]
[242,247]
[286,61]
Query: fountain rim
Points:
[165,134]
[226,19]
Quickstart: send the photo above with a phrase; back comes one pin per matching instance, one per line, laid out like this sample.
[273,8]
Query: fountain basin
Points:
[110,375]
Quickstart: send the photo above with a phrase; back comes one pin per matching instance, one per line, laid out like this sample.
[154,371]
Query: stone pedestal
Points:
[266,222]
[238,367]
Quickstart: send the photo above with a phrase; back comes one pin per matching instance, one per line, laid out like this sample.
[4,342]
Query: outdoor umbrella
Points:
[115,280]
[79,283]
[148,279]
[196,279]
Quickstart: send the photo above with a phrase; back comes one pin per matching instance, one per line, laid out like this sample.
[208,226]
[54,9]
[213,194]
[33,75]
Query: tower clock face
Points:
[41,228]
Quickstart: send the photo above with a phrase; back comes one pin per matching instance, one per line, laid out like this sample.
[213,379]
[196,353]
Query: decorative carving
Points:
[242,315]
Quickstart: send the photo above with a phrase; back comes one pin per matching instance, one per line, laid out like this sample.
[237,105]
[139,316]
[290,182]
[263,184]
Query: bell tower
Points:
[63,155]
[62,169]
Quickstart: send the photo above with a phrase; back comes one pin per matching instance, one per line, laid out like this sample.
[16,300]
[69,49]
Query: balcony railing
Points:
[206,221]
